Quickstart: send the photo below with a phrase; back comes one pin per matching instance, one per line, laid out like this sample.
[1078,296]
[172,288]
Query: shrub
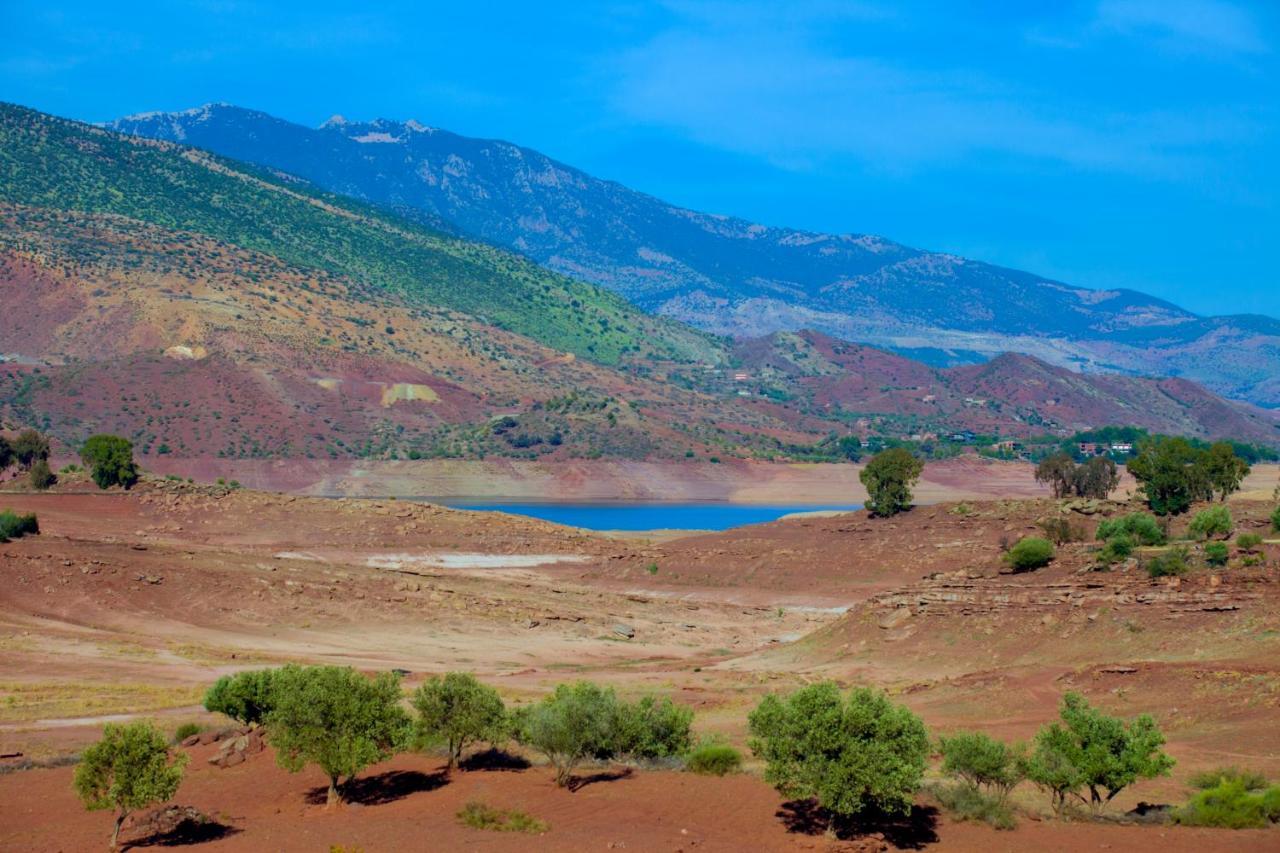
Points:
[246,697]
[964,802]
[714,758]
[1171,563]
[477,815]
[1275,520]
[1214,521]
[1030,552]
[1138,526]
[982,762]
[40,476]
[1231,804]
[335,718]
[1248,541]
[457,710]
[1117,548]
[1206,779]
[185,731]
[129,769]
[29,447]
[14,526]
[574,723]
[109,459]
[1216,553]
[1059,530]
[1095,752]
[652,728]
[888,478]
[851,754]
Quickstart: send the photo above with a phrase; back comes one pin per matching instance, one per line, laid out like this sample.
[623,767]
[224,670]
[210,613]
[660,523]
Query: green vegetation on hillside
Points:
[55,163]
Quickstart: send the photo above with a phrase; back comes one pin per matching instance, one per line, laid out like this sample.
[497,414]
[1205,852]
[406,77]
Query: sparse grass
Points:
[22,701]
[185,731]
[214,655]
[478,815]
[126,650]
[965,802]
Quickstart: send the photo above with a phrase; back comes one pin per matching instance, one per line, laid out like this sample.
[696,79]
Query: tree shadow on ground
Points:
[381,789]
[579,782]
[494,759]
[188,832]
[906,832]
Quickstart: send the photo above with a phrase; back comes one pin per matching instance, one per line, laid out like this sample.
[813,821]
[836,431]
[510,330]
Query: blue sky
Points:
[1109,143]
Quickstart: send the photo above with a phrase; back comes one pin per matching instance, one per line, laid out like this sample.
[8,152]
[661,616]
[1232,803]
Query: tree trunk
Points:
[333,798]
[115,833]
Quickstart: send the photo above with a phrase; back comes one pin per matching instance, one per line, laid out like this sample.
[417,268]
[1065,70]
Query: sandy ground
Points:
[130,605]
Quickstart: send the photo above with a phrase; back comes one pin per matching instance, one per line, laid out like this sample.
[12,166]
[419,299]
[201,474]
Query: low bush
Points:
[1029,553]
[1206,779]
[1216,553]
[965,802]
[1207,523]
[1140,527]
[41,476]
[185,731]
[1248,541]
[714,758]
[1117,548]
[1231,805]
[477,815]
[14,526]
[1171,563]
[1059,530]
[1275,520]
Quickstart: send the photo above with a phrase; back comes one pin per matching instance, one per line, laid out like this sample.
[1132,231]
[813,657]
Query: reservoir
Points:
[707,515]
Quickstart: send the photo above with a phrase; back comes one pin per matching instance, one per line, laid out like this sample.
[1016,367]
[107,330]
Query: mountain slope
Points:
[730,276]
[52,162]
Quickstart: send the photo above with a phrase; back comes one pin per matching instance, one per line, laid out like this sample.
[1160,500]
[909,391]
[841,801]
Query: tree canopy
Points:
[110,461]
[458,710]
[127,770]
[889,477]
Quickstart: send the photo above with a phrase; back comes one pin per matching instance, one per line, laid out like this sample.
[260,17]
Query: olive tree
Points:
[888,478]
[982,762]
[1223,469]
[458,710]
[337,719]
[129,769]
[1058,472]
[1091,751]
[109,459]
[574,723]
[245,697]
[851,753]
[29,447]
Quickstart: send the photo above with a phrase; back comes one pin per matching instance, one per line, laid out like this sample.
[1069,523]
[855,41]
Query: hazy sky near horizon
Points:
[1108,143]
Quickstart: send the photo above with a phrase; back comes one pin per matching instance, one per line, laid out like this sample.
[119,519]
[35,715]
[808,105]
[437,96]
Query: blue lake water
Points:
[649,516]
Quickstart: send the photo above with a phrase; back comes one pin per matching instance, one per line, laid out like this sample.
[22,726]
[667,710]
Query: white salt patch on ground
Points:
[403,562]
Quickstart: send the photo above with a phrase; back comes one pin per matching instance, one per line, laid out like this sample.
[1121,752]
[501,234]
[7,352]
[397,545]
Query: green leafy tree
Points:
[337,719]
[1275,520]
[1097,478]
[246,697]
[850,754]
[109,459]
[889,477]
[1223,469]
[653,728]
[574,723]
[982,762]
[40,476]
[29,447]
[457,710]
[1171,478]
[129,769]
[1091,751]
[1214,521]
[1058,472]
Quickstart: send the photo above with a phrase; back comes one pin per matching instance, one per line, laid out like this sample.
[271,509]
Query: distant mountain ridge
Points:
[730,276]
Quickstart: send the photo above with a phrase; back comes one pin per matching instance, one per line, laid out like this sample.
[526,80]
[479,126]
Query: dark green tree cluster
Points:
[1097,477]
[29,450]
[109,459]
[889,478]
[1174,473]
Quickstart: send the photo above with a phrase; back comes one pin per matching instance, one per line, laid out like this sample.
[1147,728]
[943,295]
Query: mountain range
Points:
[207,307]
[729,276]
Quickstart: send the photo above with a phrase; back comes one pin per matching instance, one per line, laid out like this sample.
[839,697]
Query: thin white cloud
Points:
[1185,24]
